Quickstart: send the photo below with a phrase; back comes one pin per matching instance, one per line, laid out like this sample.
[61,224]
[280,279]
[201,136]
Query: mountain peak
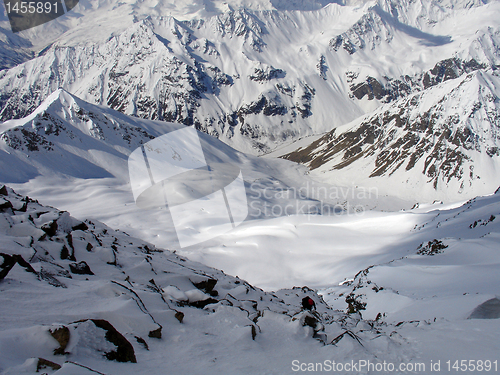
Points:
[93,142]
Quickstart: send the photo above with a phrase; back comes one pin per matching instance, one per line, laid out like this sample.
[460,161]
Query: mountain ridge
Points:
[448,133]
[230,75]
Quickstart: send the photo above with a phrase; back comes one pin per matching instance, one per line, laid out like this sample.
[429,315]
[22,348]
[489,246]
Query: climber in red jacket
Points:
[308,303]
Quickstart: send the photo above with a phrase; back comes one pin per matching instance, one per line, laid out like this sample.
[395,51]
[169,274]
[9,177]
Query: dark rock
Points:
[44,363]
[143,342]
[313,320]
[6,266]
[10,261]
[65,253]
[5,205]
[305,110]
[322,67]
[403,86]
[354,305]
[81,226]
[431,248]
[372,88]
[336,43]
[202,304]
[62,336]
[156,333]
[50,228]
[253,107]
[80,268]
[260,75]
[68,253]
[124,350]
[207,286]
[3,191]
[179,316]
[23,208]
[310,321]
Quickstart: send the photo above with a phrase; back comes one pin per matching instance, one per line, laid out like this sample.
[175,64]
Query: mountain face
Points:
[255,78]
[14,50]
[446,242]
[65,135]
[447,136]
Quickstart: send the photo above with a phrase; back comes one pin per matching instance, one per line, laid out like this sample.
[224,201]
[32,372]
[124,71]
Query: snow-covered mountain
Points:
[442,142]
[255,78]
[385,104]
[65,135]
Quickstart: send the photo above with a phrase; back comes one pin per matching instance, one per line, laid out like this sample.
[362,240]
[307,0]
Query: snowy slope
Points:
[14,49]
[441,143]
[411,308]
[416,83]
[255,79]
[452,252]
[68,137]
[95,299]
[343,241]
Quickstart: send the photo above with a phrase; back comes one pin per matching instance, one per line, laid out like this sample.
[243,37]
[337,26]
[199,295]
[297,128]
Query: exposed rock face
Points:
[124,350]
[44,363]
[9,261]
[62,335]
[394,89]
[431,248]
[368,32]
[45,127]
[80,268]
[442,132]
[266,73]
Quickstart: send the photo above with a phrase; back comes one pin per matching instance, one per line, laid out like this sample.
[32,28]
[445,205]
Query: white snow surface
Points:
[397,275]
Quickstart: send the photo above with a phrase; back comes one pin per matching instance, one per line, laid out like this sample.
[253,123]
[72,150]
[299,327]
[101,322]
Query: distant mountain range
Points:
[262,75]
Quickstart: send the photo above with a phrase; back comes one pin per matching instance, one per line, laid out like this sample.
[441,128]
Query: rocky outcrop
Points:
[80,268]
[9,261]
[124,351]
[368,32]
[264,72]
[392,89]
